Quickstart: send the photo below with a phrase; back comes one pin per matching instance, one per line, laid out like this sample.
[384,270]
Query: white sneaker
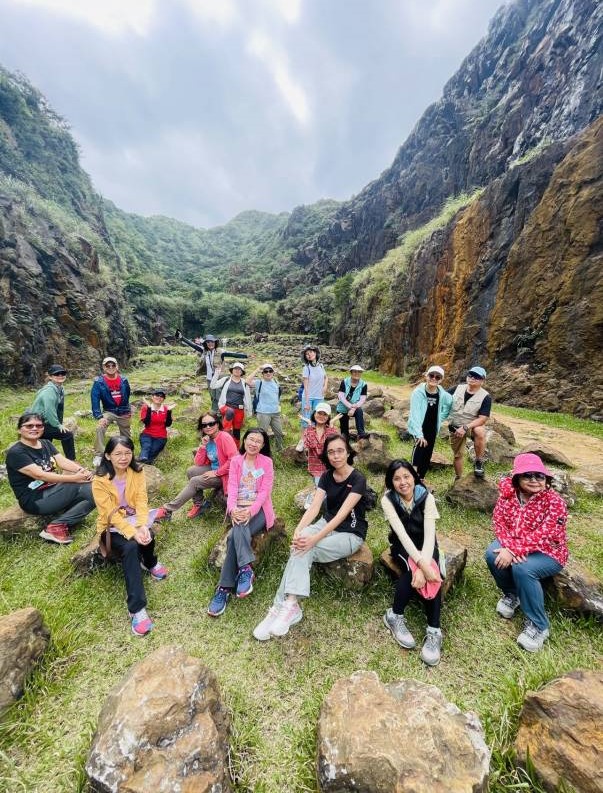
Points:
[432,647]
[532,638]
[507,606]
[289,614]
[262,632]
[300,446]
[97,460]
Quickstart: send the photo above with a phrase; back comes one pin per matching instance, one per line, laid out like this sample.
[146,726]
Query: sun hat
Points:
[210,337]
[356,368]
[323,407]
[109,359]
[267,366]
[56,369]
[529,462]
[234,364]
[431,588]
[158,392]
[479,371]
[435,370]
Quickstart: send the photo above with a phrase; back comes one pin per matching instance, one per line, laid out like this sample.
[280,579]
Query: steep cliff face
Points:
[514,282]
[534,79]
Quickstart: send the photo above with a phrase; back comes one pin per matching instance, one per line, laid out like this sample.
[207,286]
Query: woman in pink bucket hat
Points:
[529,522]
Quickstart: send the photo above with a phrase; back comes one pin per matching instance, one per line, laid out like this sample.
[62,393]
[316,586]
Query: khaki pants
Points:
[123,424]
[275,421]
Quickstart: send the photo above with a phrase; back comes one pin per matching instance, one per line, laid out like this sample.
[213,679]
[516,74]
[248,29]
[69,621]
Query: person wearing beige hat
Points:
[266,401]
[110,398]
[430,404]
[352,396]
[234,402]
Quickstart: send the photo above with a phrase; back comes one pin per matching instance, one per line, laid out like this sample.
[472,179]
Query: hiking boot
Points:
[532,638]
[141,623]
[478,469]
[507,606]
[397,625]
[162,514]
[245,581]
[263,631]
[197,510]
[158,573]
[289,614]
[432,646]
[217,606]
[57,532]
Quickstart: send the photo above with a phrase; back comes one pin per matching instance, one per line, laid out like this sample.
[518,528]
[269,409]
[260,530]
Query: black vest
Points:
[412,522]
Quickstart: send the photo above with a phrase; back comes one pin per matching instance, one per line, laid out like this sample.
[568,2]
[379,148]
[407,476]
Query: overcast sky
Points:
[199,109]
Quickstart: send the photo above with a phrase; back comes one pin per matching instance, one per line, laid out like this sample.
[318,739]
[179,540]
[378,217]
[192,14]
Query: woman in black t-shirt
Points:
[32,465]
[338,534]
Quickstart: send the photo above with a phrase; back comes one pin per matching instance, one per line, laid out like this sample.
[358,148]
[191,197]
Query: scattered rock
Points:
[291,455]
[374,407]
[454,554]
[300,498]
[439,461]
[499,450]
[374,393]
[396,419]
[162,728]
[564,485]
[404,736]
[83,414]
[154,479]
[88,559]
[547,453]
[23,639]
[14,521]
[560,730]
[502,429]
[260,544]
[472,492]
[372,453]
[173,433]
[191,390]
[355,571]
[576,589]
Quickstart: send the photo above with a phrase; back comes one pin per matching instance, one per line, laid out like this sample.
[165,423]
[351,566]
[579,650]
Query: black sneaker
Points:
[478,469]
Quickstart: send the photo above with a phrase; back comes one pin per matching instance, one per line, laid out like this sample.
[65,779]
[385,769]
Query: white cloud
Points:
[221,12]
[289,10]
[114,17]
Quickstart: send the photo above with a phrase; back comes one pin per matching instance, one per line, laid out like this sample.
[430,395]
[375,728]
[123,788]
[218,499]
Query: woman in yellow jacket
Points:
[120,493]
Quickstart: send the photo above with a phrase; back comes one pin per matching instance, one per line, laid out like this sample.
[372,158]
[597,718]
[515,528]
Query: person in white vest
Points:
[471,406]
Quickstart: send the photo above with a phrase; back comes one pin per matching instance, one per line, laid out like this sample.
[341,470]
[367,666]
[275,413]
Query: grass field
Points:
[274,689]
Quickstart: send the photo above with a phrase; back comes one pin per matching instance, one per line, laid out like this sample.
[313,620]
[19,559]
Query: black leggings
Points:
[404,592]
[421,457]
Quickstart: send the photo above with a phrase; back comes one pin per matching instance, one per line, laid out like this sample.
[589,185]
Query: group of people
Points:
[529,519]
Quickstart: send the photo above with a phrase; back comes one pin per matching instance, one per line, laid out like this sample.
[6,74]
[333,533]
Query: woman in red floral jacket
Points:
[529,522]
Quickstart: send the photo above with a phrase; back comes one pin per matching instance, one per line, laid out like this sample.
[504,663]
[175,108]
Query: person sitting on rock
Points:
[471,406]
[340,533]
[50,403]
[314,439]
[352,396]
[110,398]
[234,402]
[315,382]
[156,417]
[411,512]
[250,510]
[529,522]
[124,524]
[430,404]
[266,401]
[210,471]
[32,465]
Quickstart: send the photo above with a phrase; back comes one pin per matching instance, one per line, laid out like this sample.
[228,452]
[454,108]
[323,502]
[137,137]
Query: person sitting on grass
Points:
[411,512]
[529,522]
[210,471]
[338,534]
[124,524]
[352,395]
[250,509]
[32,465]
[156,417]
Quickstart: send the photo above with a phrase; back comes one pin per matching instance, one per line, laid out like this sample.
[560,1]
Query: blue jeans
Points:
[307,413]
[523,580]
[150,447]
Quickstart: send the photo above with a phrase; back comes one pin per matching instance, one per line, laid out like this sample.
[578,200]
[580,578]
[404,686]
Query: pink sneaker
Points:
[158,573]
[162,514]
[141,623]
[289,614]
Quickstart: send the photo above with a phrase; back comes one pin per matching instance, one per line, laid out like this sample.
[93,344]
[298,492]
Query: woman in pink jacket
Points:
[250,509]
[210,471]
[529,522]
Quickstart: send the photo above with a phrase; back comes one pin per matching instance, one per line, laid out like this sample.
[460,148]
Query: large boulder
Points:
[14,521]
[454,554]
[576,589]
[502,429]
[300,498]
[439,462]
[404,736]
[290,455]
[560,731]
[374,407]
[547,454]
[472,492]
[372,453]
[498,448]
[355,571]
[396,419]
[162,728]
[260,544]
[23,639]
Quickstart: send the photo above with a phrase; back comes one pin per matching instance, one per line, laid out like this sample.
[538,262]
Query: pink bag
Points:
[431,588]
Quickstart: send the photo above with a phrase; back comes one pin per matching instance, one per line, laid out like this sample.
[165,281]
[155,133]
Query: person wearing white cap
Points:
[352,396]
[430,404]
[110,398]
[266,404]
[471,406]
[234,402]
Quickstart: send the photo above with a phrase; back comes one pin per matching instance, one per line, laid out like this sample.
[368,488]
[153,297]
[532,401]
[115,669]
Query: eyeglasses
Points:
[208,423]
[434,376]
[267,371]
[33,426]
[533,475]
[336,452]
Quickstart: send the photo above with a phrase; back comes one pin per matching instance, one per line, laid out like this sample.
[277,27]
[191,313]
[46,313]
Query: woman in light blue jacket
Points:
[430,404]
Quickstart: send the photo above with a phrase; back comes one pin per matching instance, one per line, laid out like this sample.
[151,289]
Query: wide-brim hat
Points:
[323,407]
[235,364]
[356,368]
[529,462]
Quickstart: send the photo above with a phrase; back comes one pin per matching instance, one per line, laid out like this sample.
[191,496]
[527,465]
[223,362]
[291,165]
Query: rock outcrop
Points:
[23,640]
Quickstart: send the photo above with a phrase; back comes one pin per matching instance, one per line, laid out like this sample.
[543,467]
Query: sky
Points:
[200,109]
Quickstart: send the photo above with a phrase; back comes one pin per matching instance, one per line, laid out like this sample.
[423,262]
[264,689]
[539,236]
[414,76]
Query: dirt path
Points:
[585,452]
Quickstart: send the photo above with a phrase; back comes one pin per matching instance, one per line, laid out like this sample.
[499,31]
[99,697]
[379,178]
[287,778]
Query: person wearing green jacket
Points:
[430,404]
[49,402]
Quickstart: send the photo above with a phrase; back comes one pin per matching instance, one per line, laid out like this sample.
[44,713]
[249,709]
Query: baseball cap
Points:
[356,368]
[56,369]
[109,359]
[323,407]
[479,371]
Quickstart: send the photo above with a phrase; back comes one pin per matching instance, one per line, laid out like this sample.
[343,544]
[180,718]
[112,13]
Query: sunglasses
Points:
[208,424]
[533,475]
[110,365]
[58,374]
[267,371]
[474,376]
[434,376]
[33,426]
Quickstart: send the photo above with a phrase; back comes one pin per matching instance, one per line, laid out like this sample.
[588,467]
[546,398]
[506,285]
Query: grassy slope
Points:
[274,689]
